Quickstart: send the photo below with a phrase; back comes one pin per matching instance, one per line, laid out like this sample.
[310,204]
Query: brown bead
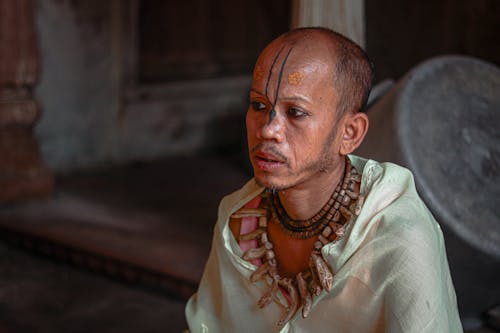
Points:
[318,245]
[352,195]
[345,200]
[263,222]
[351,186]
[323,239]
[346,213]
[336,216]
[327,231]
[333,225]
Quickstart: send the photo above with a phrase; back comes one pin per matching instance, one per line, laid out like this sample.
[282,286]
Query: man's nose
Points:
[273,128]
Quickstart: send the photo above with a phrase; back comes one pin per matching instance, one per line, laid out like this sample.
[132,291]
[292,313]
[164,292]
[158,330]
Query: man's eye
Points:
[258,106]
[296,112]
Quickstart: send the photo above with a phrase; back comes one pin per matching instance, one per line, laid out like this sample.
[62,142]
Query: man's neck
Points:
[306,199]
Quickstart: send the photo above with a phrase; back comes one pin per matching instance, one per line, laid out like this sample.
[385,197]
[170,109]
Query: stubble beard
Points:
[323,164]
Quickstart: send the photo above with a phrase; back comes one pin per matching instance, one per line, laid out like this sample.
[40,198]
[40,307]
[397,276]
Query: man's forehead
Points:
[299,67]
[315,46]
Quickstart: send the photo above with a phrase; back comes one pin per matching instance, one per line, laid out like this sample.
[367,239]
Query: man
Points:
[319,240]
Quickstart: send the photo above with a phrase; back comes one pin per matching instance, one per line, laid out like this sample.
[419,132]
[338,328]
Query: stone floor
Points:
[121,249]
[114,250]
[39,294]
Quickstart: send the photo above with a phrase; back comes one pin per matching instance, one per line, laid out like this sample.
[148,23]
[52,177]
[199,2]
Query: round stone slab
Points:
[442,122]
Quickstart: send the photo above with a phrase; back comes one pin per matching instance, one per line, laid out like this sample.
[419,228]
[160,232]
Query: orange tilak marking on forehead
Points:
[258,73]
[295,78]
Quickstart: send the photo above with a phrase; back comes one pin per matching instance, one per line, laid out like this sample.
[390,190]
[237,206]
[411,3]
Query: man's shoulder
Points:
[391,197]
[394,222]
[384,178]
[397,240]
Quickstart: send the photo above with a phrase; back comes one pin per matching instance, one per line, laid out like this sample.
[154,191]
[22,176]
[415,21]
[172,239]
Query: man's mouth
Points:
[267,162]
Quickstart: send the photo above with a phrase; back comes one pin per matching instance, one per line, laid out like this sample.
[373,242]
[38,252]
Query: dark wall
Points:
[400,34]
[193,39]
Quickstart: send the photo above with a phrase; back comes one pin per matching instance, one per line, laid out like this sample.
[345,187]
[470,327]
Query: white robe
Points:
[390,269]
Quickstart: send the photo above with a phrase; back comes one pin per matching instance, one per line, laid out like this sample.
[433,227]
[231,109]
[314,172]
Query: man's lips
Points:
[267,162]
[268,157]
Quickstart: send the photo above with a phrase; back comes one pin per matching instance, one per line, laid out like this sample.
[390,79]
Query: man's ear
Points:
[355,128]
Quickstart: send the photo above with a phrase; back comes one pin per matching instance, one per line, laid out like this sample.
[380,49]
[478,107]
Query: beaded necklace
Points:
[328,224]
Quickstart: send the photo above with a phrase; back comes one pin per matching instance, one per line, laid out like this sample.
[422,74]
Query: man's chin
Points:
[270,185]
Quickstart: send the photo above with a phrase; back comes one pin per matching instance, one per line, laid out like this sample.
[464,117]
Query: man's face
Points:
[291,117]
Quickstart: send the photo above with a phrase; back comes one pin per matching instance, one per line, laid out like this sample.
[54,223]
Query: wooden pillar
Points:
[22,172]
[344,16]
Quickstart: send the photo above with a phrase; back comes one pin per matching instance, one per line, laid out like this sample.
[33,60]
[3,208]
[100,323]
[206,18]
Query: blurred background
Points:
[122,126]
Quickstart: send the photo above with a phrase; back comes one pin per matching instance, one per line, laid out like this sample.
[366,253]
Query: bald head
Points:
[346,64]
